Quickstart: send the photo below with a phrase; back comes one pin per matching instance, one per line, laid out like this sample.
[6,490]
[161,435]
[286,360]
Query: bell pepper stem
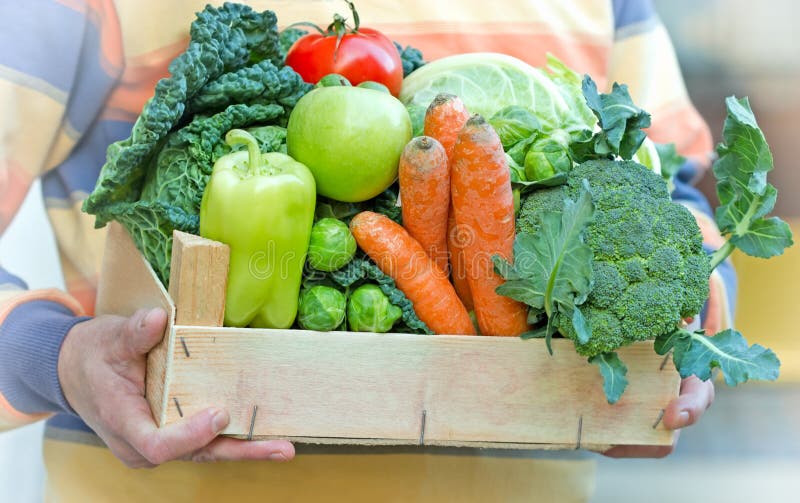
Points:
[242,137]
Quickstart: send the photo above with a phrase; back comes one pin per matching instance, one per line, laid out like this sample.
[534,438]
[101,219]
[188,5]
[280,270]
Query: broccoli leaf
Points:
[552,270]
[671,161]
[620,120]
[744,194]
[694,353]
[613,371]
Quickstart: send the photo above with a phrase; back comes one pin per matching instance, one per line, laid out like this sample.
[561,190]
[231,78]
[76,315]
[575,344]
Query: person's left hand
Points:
[695,397]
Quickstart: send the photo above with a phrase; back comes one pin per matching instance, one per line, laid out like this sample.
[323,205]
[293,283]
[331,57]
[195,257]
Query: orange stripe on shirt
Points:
[138,81]
[583,57]
[682,121]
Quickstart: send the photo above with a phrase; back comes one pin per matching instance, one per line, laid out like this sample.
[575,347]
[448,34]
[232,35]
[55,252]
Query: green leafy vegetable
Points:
[410,57]
[694,353]
[744,194]
[621,123]
[613,371]
[288,37]
[671,161]
[514,124]
[649,266]
[228,77]
[489,82]
[552,270]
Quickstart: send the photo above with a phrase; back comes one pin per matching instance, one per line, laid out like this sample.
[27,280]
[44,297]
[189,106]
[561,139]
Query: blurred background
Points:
[747,447]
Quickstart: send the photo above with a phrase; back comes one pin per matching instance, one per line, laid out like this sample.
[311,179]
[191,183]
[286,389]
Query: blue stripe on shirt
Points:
[7,278]
[61,47]
[78,174]
[46,38]
[631,12]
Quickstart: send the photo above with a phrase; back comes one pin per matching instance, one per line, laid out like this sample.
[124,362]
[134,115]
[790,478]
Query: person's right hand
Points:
[101,369]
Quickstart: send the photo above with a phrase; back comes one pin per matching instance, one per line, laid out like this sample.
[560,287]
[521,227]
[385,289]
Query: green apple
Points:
[350,138]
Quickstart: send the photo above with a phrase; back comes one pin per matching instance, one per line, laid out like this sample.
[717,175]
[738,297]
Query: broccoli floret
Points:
[650,269]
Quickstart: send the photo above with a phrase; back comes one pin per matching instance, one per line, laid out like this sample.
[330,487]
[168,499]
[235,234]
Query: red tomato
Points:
[362,55]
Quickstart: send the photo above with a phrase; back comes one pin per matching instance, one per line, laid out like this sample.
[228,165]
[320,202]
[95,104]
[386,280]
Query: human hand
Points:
[695,397]
[101,368]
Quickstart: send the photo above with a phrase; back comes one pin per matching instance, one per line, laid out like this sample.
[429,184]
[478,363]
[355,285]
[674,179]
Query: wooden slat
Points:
[198,279]
[373,389]
[127,284]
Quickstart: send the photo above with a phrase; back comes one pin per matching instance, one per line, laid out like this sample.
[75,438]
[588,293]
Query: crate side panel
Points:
[444,390]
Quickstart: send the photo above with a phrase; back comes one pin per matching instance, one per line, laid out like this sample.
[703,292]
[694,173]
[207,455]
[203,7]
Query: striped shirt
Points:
[74,75]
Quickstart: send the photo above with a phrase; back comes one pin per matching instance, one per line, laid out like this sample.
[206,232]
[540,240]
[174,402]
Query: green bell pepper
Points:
[262,206]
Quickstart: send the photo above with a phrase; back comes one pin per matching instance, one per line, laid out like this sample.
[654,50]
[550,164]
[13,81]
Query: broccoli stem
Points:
[720,255]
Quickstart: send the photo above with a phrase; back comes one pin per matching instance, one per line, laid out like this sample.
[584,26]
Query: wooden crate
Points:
[366,388]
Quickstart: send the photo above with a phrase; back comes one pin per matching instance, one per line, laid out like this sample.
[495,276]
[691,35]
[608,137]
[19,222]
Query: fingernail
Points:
[683,418]
[219,421]
[277,456]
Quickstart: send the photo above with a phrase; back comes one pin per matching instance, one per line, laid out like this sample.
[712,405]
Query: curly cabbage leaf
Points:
[228,77]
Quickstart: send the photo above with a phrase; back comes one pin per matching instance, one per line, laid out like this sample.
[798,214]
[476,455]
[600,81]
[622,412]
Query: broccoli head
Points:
[650,269]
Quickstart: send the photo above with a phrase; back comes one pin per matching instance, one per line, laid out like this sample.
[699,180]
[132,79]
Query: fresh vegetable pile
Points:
[491,198]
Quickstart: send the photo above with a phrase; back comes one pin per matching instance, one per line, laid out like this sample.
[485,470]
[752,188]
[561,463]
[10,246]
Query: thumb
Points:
[143,331]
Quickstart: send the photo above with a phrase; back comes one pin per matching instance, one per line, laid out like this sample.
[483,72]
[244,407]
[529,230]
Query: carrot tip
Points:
[441,99]
[423,142]
[476,120]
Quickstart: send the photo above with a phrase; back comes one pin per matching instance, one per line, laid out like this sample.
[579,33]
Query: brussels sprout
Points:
[321,308]
[333,80]
[377,86]
[331,245]
[369,310]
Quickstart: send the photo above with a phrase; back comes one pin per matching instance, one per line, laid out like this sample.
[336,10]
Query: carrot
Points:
[444,118]
[484,208]
[458,268]
[425,193]
[402,258]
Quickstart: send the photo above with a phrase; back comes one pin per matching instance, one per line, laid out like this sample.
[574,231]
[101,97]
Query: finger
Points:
[696,396]
[231,449]
[142,332]
[643,451]
[174,441]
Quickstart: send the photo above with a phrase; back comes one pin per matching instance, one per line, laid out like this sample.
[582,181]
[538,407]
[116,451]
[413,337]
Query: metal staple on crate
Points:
[252,423]
[659,418]
[422,427]
[177,406]
[185,348]
[665,360]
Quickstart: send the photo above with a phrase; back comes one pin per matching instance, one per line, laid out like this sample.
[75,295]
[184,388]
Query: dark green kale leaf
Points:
[222,40]
[262,83]
[362,269]
[410,57]
[288,37]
